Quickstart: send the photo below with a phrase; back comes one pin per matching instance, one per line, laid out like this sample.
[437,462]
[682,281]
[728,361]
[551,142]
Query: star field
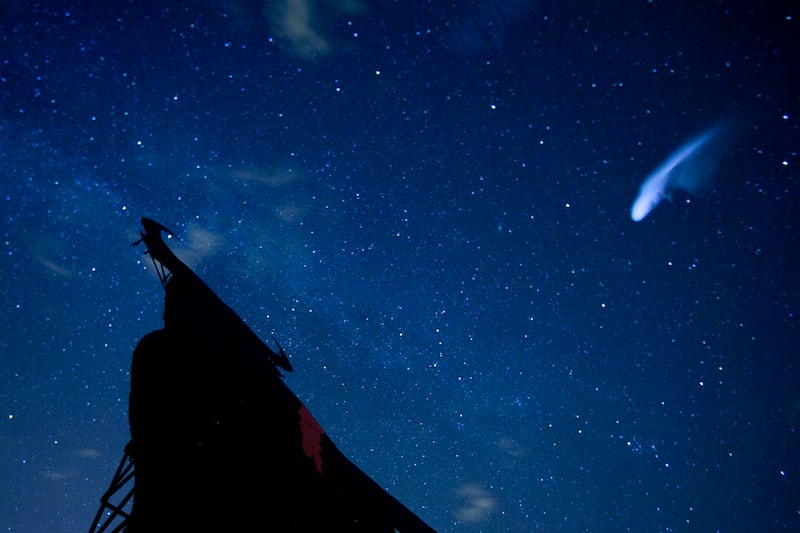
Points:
[429,208]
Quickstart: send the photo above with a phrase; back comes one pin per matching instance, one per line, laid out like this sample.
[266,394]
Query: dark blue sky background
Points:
[428,204]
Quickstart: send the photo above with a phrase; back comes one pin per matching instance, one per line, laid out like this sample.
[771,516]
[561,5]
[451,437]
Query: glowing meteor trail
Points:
[679,171]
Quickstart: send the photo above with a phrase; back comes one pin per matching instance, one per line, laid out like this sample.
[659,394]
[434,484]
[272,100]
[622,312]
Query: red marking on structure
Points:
[312,437]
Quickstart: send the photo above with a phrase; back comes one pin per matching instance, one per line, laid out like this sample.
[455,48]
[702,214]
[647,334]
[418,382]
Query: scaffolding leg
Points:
[116,515]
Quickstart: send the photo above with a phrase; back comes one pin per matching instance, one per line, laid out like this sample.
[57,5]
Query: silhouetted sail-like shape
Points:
[219,442]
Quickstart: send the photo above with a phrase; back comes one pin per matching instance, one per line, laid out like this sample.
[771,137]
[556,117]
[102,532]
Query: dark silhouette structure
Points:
[218,441]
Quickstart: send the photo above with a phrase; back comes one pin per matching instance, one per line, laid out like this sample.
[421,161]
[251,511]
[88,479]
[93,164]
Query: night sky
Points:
[428,204]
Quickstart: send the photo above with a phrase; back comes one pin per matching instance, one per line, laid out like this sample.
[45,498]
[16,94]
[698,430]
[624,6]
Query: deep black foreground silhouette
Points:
[218,441]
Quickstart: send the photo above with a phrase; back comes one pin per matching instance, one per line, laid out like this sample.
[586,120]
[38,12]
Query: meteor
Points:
[680,171]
